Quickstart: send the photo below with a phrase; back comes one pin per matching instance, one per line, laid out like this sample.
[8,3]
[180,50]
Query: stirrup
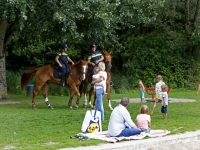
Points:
[111,83]
[62,84]
[91,85]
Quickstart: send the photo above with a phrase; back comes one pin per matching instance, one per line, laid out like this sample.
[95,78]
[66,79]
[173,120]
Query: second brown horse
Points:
[84,85]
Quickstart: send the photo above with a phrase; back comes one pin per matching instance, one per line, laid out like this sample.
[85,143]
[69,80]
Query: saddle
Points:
[57,73]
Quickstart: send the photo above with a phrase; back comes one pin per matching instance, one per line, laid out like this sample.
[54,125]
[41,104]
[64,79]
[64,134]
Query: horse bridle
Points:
[79,77]
[109,65]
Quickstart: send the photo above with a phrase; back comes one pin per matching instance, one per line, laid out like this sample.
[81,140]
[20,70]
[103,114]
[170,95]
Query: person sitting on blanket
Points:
[120,123]
[143,119]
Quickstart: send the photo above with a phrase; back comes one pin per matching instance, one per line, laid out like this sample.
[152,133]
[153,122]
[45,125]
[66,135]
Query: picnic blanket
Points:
[105,137]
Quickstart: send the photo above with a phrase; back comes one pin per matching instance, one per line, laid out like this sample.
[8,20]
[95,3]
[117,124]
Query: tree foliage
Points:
[147,37]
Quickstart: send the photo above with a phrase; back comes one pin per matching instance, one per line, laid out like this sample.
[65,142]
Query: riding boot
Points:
[67,74]
[62,80]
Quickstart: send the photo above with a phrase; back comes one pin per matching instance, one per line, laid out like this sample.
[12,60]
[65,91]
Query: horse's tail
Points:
[27,77]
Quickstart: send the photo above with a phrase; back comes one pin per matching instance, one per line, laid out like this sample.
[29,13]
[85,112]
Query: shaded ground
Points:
[8,102]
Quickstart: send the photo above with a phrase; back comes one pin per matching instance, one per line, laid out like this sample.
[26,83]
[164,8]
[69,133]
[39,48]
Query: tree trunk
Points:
[187,22]
[3,84]
[172,14]
[195,23]
[196,15]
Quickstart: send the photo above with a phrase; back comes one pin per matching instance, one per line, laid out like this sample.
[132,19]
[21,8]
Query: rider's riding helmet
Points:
[93,45]
[64,45]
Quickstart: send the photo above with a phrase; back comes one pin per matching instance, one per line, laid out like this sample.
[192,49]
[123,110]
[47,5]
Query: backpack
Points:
[92,121]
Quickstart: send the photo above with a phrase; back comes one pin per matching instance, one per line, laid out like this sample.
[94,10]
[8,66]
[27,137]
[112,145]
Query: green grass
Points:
[24,128]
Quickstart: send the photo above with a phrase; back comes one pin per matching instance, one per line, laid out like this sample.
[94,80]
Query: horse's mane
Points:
[77,63]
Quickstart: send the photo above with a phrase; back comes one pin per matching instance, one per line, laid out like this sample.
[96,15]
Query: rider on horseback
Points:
[95,57]
[62,59]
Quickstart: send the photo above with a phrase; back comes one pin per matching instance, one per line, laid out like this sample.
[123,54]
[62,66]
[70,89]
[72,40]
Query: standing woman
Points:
[158,90]
[100,89]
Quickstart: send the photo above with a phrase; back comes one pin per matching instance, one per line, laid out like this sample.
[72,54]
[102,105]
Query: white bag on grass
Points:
[92,121]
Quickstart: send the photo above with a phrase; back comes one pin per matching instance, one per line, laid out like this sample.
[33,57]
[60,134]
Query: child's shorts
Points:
[141,94]
[164,109]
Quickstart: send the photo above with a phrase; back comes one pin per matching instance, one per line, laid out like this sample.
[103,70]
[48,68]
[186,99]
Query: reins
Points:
[78,76]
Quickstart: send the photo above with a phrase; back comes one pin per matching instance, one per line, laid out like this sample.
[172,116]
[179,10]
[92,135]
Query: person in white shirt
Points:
[120,123]
[96,76]
[158,90]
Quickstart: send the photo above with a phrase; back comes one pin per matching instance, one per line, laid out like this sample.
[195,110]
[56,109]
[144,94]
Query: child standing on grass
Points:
[142,90]
[158,90]
[164,96]
[143,120]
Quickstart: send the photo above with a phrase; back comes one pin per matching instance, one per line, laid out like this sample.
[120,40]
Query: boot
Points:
[67,74]
[62,81]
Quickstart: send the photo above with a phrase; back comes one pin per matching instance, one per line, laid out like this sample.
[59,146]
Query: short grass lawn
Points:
[24,128]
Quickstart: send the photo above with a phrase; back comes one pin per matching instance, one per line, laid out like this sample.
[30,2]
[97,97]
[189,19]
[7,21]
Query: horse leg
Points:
[85,100]
[73,91]
[78,97]
[90,95]
[85,94]
[35,92]
[77,102]
[108,95]
[71,97]
[45,95]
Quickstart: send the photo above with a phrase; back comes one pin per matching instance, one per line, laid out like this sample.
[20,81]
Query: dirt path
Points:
[171,100]
[132,100]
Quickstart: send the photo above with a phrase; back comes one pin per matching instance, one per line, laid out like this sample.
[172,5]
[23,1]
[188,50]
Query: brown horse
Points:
[84,85]
[44,75]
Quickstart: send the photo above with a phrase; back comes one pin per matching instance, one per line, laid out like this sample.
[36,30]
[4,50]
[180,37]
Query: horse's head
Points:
[82,67]
[107,58]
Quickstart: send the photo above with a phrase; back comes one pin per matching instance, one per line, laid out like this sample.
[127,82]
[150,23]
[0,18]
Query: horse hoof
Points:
[50,107]
[111,108]
[34,108]
[93,107]
[75,108]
